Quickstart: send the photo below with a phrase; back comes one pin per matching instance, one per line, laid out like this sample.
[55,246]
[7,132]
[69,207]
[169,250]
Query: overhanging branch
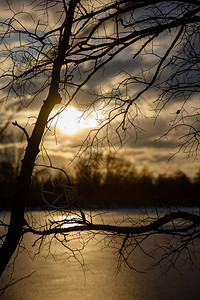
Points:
[155,226]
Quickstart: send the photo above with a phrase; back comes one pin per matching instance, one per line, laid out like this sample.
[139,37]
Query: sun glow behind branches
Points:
[71,121]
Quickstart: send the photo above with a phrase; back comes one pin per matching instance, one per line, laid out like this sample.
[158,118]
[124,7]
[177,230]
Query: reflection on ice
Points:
[69,221]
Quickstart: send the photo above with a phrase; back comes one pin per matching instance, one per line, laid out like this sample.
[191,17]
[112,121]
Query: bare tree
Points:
[72,43]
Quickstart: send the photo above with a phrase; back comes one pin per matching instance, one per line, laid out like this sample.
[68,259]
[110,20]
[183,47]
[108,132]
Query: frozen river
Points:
[52,277]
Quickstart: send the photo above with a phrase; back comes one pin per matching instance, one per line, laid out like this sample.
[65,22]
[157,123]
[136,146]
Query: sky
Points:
[145,148]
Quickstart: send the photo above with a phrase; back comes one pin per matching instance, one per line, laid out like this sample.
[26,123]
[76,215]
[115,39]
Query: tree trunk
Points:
[15,230]
[23,185]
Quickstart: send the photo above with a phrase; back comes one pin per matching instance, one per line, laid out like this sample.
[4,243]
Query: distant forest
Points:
[105,182]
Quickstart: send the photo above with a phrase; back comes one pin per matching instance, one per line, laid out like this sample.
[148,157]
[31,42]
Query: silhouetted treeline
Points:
[115,182]
[107,182]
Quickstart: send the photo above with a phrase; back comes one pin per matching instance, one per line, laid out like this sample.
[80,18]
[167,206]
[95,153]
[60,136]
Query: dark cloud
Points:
[15,5]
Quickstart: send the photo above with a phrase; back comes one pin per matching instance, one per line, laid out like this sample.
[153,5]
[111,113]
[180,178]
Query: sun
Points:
[71,121]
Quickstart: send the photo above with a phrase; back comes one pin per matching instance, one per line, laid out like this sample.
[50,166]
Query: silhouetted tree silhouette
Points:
[59,57]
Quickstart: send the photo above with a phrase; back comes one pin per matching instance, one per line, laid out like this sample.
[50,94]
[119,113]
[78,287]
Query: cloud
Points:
[147,150]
